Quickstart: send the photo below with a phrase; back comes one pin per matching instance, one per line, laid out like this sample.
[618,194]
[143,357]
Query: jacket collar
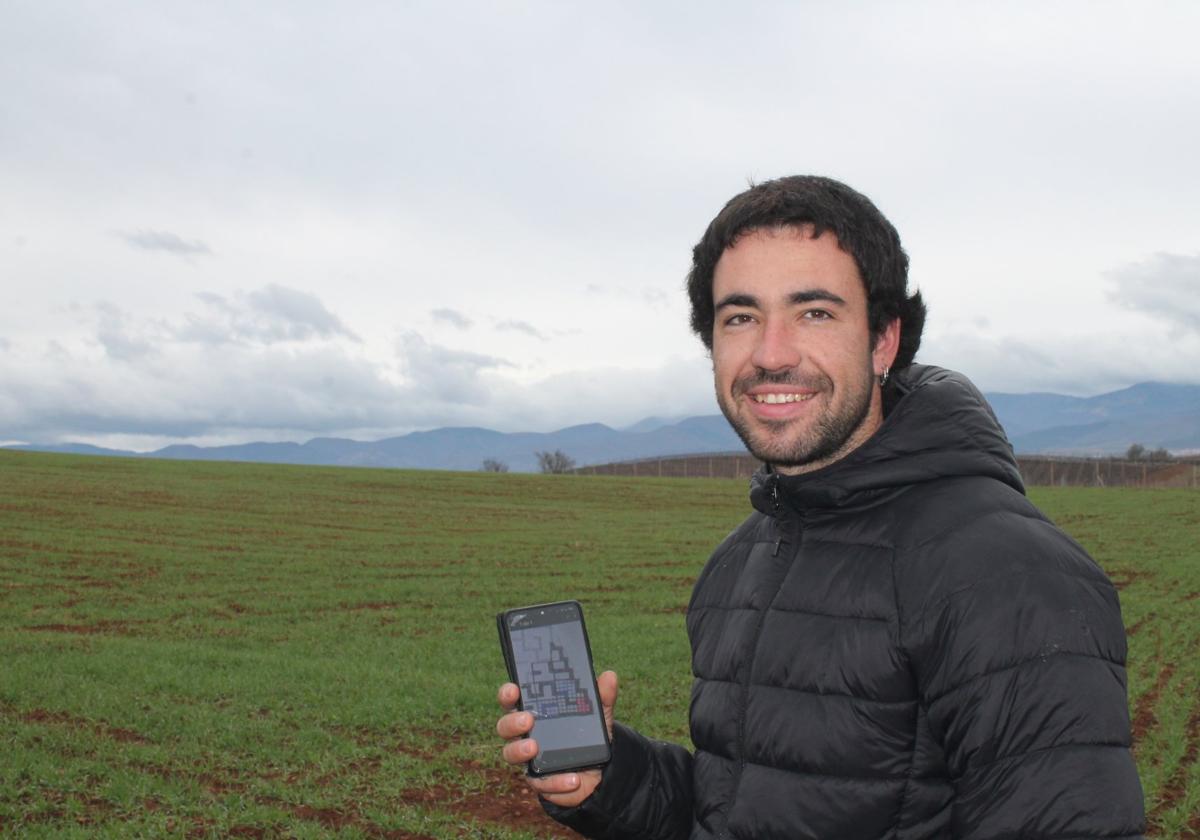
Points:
[936,425]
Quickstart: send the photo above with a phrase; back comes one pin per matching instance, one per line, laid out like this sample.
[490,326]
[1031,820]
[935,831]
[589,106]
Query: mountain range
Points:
[1152,414]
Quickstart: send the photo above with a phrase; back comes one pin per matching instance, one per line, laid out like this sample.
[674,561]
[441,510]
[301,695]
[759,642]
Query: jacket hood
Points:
[936,425]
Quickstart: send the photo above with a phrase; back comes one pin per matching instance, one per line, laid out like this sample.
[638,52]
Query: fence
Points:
[715,465]
[1107,472]
[1037,471]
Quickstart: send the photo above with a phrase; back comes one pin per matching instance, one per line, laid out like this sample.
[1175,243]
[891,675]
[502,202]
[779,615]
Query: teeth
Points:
[773,399]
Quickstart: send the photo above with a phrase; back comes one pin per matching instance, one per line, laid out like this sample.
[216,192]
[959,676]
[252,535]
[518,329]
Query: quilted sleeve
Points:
[1019,653]
[646,792]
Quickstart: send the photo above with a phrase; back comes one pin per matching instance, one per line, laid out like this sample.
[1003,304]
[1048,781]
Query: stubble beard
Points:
[768,440]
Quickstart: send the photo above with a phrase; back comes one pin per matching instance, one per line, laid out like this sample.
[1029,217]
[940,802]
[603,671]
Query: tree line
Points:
[553,463]
[1137,452]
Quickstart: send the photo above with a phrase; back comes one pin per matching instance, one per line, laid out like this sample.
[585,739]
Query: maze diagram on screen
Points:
[549,686]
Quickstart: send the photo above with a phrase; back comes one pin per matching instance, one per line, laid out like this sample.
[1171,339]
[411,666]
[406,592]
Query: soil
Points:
[1175,787]
[1122,578]
[1144,718]
[331,818]
[125,736]
[505,800]
[115,628]
[1133,629]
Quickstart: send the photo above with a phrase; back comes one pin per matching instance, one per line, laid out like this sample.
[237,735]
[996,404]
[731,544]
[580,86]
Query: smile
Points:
[772,399]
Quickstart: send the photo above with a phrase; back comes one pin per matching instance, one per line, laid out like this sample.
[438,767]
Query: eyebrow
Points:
[795,298]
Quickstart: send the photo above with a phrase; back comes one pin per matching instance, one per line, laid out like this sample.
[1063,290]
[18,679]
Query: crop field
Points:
[239,650]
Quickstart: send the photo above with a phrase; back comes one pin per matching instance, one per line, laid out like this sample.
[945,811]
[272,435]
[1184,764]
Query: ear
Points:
[887,344]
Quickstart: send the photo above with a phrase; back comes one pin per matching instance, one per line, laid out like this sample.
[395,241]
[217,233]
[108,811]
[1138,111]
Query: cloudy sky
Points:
[223,222]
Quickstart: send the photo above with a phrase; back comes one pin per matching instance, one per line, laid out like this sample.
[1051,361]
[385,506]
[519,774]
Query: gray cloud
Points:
[442,374]
[268,315]
[299,314]
[1166,287]
[1066,362]
[241,392]
[452,317]
[265,317]
[525,327]
[185,391]
[118,336]
[161,240]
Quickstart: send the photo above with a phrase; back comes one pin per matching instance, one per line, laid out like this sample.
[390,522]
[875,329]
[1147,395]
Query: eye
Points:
[738,319]
[818,314]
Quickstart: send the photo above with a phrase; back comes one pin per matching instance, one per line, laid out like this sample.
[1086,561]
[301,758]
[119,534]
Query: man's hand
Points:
[564,789]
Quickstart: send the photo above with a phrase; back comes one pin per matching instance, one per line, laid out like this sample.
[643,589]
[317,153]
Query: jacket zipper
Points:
[778,518]
[777,513]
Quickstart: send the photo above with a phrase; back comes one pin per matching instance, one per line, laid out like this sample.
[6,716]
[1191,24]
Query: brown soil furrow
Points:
[91,810]
[1175,787]
[116,628]
[42,717]
[1133,629]
[334,819]
[505,800]
[338,820]
[1144,718]
[214,784]
[1122,578]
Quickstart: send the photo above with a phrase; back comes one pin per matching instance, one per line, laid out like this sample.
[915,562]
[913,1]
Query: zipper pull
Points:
[778,513]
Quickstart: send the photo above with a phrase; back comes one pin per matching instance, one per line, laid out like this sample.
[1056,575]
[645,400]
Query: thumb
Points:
[607,684]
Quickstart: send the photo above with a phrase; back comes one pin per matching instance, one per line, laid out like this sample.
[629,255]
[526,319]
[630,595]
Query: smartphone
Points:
[547,654]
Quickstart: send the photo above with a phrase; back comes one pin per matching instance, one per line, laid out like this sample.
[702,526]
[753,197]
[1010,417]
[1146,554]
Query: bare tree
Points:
[1160,454]
[494,465]
[556,462]
[1135,452]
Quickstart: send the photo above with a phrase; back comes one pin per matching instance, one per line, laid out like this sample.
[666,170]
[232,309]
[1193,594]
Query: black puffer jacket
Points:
[897,646]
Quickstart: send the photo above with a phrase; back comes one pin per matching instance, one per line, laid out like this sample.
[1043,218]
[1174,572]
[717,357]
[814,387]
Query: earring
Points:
[883,377]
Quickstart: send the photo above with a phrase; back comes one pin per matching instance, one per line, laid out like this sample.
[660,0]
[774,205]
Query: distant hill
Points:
[1152,414]
[462,448]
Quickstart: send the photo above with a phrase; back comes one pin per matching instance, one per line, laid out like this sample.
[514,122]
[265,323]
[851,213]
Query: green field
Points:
[212,650]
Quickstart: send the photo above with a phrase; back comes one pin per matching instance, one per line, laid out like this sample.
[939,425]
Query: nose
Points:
[777,347]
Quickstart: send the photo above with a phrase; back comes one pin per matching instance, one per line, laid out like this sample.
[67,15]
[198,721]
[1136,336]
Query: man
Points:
[896,643]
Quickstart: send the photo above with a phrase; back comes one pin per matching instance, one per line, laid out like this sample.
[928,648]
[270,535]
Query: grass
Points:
[209,649]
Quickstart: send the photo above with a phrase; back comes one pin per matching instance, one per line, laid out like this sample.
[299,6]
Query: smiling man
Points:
[794,360]
[896,643]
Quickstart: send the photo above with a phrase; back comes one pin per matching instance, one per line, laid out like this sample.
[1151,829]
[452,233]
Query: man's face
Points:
[793,361]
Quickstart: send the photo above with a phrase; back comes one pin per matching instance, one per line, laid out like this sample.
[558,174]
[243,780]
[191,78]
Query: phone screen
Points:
[551,662]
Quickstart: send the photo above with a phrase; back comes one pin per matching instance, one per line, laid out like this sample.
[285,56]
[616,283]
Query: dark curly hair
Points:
[821,204]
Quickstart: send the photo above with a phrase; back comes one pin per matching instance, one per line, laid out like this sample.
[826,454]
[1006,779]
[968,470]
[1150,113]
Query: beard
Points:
[787,443]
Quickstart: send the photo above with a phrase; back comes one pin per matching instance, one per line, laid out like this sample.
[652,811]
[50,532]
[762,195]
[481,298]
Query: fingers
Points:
[514,725]
[558,783]
[519,751]
[508,695]
[566,789]
[513,728]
